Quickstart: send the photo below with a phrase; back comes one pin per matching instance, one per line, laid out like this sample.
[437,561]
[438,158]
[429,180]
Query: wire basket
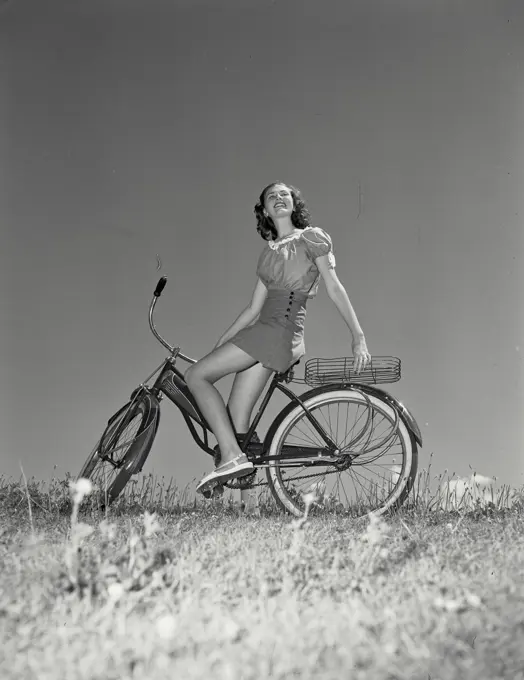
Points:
[325,371]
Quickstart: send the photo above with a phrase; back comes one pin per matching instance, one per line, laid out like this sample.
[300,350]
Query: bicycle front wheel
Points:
[373,471]
[123,447]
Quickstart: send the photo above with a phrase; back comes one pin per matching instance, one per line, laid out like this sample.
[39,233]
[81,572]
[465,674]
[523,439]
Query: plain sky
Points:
[135,127]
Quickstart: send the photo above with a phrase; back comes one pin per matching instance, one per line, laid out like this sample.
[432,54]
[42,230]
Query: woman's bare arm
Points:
[339,296]
[248,315]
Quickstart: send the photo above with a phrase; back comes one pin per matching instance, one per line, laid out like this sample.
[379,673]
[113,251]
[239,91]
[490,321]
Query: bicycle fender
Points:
[403,412]
[152,420]
[132,398]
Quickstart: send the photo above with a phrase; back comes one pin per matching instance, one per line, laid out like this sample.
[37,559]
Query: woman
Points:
[268,335]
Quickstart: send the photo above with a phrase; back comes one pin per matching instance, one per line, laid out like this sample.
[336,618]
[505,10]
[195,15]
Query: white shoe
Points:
[238,467]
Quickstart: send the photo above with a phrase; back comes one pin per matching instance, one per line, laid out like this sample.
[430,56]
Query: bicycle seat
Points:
[288,375]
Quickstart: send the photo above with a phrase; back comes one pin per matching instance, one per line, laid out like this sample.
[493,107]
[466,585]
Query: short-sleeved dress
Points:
[287,268]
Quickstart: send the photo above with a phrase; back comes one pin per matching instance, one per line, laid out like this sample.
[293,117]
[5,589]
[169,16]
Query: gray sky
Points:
[131,128]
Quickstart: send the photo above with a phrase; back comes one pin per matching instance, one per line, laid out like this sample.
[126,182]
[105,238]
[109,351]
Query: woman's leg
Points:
[247,388]
[200,378]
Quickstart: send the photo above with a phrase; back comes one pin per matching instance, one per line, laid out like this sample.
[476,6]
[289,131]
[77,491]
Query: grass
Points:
[162,586]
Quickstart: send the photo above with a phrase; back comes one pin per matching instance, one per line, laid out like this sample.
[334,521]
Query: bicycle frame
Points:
[171,383]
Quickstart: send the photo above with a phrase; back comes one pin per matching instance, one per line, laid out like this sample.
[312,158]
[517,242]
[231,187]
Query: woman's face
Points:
[278,201]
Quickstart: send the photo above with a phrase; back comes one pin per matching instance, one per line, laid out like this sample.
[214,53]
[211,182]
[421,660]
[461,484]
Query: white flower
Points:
[309,499]
[230,629]
[82,487]
[115,591]
[314,494]
[446,604]
[151,524]
[166,626]
[473,600]
[376,531]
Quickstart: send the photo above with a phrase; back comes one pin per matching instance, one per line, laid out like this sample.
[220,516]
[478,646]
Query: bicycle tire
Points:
[143,407]
[291,499]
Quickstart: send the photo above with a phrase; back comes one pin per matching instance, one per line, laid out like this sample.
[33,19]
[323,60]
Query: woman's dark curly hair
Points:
[300,216]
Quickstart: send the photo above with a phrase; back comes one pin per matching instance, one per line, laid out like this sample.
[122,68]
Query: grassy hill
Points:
[189,590]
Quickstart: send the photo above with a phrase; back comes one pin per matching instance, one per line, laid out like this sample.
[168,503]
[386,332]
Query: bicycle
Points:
[321,439]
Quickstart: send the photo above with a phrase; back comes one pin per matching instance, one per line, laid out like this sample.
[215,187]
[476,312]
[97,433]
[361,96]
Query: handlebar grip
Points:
[160,286]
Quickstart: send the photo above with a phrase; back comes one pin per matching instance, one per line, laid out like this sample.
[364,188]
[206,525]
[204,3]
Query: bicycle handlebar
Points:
[157,293]
[160,286]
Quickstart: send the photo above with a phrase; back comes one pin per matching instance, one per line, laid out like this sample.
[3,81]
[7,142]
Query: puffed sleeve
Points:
[319,243]
[262,267]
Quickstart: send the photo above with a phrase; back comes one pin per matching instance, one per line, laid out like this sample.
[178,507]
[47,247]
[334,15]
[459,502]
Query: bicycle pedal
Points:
[217,491]
[213,490]
[242,483]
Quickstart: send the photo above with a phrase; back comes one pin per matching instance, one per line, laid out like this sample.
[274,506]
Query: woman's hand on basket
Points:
[360,354]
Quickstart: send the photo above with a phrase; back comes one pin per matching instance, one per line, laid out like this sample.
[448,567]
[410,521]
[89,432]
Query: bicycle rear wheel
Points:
[374,470]
[123,447]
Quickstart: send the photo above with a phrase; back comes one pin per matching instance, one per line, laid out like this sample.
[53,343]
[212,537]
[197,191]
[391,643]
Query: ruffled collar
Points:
[274,245]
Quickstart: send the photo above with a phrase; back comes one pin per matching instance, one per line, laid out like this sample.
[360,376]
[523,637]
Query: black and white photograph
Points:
[262,338]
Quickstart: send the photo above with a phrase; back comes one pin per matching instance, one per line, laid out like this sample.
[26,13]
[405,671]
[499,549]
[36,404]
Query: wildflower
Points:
[166,626]
[314,494]
[309,499]
[151,524]
[82,487]
[231,630]
[376,531]
[134,540]
[473,600]
[468,600]
[446,604]
[115,591]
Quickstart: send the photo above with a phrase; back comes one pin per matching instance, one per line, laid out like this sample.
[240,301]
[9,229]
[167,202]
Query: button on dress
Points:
[288,270]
